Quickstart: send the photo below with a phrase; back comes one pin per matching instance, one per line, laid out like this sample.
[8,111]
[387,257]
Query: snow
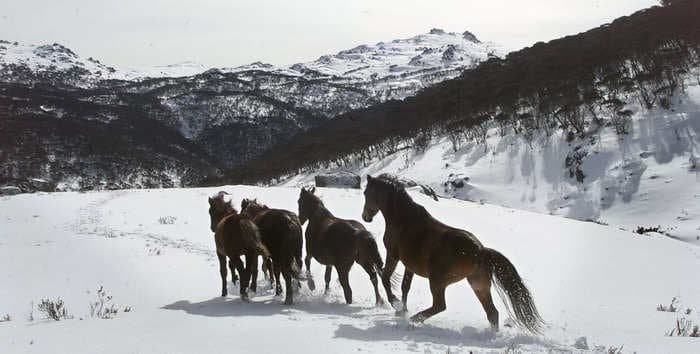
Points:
[643,179]
[588,280]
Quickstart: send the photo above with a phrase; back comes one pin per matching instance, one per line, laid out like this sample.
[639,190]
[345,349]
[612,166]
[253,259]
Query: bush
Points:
[6,318]
[684,328]
[54,309]
[103,308]
[670,308]
[167,220]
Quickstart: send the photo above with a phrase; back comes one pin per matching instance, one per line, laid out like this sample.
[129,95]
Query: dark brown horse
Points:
[444,255]
[337,243]
[235,236]
[281,234]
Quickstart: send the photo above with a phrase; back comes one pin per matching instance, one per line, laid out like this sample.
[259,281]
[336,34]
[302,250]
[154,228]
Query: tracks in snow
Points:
[91,221]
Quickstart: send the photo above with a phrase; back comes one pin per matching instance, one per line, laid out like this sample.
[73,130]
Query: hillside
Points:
[588,280]
[573,84]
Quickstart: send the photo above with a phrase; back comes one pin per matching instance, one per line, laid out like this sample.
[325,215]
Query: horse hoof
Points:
[398,306]
[400,313]
[288,302]
[416,319]
[311,284]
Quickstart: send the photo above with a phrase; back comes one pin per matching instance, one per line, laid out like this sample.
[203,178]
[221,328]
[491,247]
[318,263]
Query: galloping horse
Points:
[444,255]
[281,234]
[337,242]
[235,236]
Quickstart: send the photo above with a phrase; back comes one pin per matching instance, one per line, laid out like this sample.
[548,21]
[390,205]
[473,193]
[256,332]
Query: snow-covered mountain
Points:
[229,115]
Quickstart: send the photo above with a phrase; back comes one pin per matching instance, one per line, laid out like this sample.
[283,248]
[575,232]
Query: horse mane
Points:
[400,195]
[314,199]
[246,202]
[223,205]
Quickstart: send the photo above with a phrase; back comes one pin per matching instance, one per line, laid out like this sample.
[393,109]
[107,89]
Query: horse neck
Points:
[320,213]
[402,209]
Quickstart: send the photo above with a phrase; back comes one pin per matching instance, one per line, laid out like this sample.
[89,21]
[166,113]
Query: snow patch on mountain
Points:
[648,179]
[434,50]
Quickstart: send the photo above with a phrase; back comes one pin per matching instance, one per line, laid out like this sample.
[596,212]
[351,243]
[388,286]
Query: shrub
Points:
[684,328]
[103,307]
[54,309]
[167,220]
[670,308]
[6,318]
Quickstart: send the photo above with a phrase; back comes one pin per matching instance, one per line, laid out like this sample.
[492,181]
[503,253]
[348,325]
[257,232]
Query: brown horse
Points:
[281,234]
[337,242]
[235,236]
[444,255]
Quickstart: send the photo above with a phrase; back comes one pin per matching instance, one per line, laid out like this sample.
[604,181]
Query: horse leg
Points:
[405,288]
[327,278]
[251,264]
[481,284]
[299,264]
[437,288]
[289,294]
[278,283]
[232,267]
[369,268]
[222,272]
[245,277]
[309,277]
[389,268]
[267,269]
[343,272]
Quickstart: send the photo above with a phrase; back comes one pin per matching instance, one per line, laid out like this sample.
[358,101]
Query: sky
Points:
[225,33]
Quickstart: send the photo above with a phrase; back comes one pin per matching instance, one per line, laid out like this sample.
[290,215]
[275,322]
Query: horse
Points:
[444,255]
[235,236]
[281,234]
[337,243]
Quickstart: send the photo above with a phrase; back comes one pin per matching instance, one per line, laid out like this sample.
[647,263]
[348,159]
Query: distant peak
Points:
[437,31]
[48,49]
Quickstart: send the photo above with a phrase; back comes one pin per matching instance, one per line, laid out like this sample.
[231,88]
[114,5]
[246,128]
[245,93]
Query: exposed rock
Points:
[338,180]
[470,37]
[10,190]
[41,185]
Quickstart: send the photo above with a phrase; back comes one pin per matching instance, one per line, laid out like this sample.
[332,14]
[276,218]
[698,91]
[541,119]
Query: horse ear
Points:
[211,201]
[369,178]
[312,190]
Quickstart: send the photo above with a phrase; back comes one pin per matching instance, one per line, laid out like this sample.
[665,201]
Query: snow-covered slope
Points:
[152,251]
[648,178]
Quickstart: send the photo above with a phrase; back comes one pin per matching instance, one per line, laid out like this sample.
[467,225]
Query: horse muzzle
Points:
[368,216]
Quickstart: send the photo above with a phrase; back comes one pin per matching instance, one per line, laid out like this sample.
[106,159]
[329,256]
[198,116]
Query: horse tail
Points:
[517,297]
[250,234]
[295,238]
[369,251]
